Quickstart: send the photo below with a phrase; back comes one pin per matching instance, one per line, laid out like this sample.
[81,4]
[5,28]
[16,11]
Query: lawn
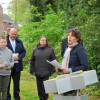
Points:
[28,89]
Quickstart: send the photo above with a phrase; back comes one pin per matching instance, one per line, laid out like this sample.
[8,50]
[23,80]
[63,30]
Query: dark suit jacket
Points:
[20,50]
[64,45]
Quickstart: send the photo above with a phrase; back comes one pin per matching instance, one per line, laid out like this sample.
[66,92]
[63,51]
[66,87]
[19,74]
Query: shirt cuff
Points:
[70,70]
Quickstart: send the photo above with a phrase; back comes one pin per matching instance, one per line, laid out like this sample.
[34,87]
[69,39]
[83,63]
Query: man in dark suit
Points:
[16,46]
[64,43]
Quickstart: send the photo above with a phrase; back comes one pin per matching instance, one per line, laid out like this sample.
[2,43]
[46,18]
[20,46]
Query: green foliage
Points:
[53,19]
[98,71]
[92,41]
[18,10]
[42,7]
[89,25]
[93,89]
[54,75]
[53,27]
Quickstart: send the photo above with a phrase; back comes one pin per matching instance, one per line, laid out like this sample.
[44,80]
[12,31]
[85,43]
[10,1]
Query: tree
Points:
[82,14]
[18,10]
[42,7]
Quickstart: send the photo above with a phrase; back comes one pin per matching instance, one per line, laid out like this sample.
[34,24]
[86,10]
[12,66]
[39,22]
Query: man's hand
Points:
[65,70]
[8,68]
[16,58]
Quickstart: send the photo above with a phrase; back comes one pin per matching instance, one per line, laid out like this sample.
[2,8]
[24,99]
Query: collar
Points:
[17,40]
[11,40]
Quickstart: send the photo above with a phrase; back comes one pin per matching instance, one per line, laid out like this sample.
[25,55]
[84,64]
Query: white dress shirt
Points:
[13,43]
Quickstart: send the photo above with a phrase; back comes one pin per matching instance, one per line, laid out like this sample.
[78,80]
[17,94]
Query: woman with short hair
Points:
[75,56]
[40,67]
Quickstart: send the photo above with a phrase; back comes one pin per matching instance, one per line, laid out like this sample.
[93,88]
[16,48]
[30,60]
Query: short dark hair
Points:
[70,27]
[76,33]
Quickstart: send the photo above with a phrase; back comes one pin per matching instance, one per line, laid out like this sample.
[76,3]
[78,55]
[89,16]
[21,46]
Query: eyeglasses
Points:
[14,34]
[42,40]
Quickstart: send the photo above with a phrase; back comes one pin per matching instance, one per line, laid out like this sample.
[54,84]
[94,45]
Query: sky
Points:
[4,4]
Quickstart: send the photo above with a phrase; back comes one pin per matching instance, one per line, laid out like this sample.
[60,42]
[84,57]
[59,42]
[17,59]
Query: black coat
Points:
[64,45]
[38,63]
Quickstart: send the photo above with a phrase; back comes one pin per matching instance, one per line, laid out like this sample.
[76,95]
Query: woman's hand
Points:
[8,68]
[65,70]
[58,70]
[1,66]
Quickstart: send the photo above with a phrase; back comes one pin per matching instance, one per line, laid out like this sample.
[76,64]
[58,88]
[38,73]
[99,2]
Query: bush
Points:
[53,27]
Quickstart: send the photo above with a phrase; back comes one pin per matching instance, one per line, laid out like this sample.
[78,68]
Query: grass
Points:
[28,88]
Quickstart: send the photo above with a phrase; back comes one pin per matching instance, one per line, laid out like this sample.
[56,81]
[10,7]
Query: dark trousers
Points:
[40,86]
[16,82]
[4,82]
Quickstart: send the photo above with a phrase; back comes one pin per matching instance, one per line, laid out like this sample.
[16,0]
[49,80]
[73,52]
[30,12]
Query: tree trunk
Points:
[1,22]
